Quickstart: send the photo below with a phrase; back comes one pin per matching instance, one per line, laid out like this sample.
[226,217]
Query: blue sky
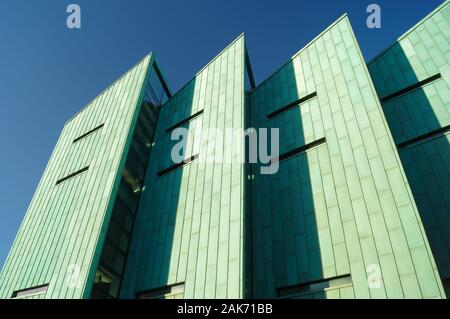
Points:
[48,72]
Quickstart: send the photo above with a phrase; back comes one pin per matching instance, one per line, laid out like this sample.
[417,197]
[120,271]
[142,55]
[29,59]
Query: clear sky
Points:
[48,72]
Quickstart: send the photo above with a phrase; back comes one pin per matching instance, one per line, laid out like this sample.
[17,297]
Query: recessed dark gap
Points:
[249,72]
[159,292]
[315,286]
[301,149]
[186,120]
[446,283]
[109,268]
[291,105]
[423,137]
[177,165]
[160,77]
[88,133]
[410,88]
[72,175]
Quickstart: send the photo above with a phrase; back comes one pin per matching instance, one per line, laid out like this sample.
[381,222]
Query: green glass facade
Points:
[420,120]
[344,204]
[362,187]
[190,224]
[63,234]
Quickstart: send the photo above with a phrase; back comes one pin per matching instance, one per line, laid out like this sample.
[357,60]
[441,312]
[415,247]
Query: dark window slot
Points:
[177,165]
[424,137]
[161,291]
[88,133]
[301,149]
[72,175]
[410,88]
[315,286]
[30,291]
[291,105]
[186,120]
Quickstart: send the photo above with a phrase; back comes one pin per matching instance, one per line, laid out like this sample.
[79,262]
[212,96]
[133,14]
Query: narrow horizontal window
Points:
[59,181]
[161,292]
[299,150]
[30,291]
[186,120]
[316,286]
[424,137]
[177,165]
[88,133]
[410,88]
[291,105]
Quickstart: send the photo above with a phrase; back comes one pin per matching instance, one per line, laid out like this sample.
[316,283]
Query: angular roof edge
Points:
[217,55]
[303,48]
[149,55]
[405,34]
[204,67]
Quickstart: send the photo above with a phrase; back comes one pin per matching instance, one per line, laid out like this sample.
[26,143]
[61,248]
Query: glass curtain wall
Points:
[115,248]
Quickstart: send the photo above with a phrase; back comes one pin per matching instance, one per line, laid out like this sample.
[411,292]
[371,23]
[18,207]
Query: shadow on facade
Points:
[110,270]
[425,154]
[286,249]
[156,251]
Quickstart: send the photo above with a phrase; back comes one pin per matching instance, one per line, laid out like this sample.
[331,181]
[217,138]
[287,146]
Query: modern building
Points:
[351,212]
[412,79]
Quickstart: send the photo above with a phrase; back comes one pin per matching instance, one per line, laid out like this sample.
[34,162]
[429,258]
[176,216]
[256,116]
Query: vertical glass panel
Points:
[113,257]
[155,93]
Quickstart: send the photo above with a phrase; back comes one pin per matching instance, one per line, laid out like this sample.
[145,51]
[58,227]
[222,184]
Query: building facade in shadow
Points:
[412,78]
